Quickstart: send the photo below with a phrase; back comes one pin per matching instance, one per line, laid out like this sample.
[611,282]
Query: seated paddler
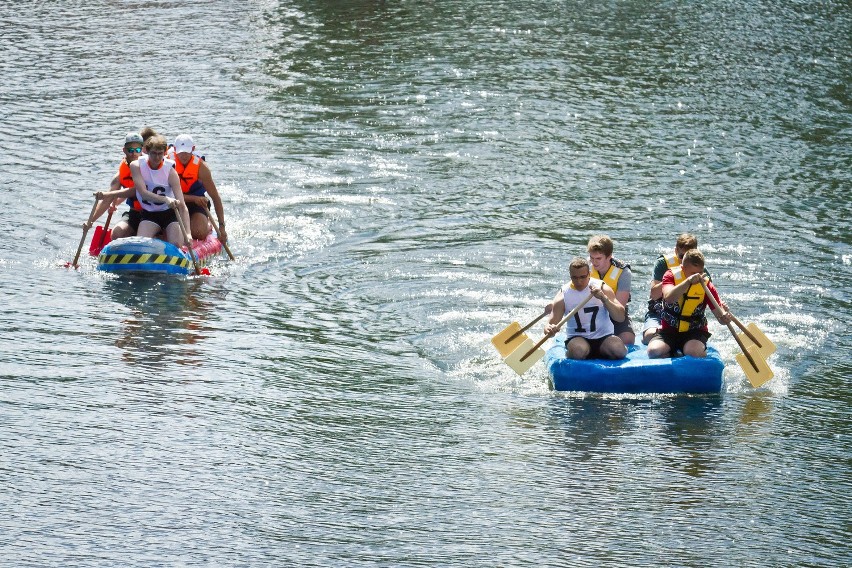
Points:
[590,332]
[683,325]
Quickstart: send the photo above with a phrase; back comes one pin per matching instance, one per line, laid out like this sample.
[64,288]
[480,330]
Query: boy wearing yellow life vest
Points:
[684,325]
[590,332]
[617,276]
[685,242]
[195,181]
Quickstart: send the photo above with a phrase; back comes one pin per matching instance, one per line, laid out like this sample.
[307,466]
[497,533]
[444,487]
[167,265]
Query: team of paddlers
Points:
[674,323]
[160,182]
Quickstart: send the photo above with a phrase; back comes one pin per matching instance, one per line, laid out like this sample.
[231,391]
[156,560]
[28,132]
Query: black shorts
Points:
[132,217]
[193,208]
[677,339]
[622,326]
[161,218]
[594,345]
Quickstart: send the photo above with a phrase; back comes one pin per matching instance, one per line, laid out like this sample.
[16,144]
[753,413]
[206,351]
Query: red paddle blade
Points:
[100,239]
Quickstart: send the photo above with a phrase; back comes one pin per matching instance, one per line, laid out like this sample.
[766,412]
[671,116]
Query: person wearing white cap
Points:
[157,187]
[195,181]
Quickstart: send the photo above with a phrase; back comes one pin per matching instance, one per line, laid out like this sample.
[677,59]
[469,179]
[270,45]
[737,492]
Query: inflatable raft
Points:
[142,254]
[636,373]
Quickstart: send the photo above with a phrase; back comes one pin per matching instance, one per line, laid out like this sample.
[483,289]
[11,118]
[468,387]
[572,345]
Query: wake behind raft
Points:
[636,373]
[146,255]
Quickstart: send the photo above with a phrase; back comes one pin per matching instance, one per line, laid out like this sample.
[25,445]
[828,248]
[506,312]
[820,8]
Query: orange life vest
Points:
[125,179]
[188,175]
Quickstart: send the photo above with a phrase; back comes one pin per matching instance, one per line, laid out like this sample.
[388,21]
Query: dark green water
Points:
[401,181]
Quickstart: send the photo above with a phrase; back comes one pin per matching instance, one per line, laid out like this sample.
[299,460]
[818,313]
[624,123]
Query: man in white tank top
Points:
[157,187]
[590,331]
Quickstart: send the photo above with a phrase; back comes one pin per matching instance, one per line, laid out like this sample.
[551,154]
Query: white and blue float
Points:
[635,374]
[146,255]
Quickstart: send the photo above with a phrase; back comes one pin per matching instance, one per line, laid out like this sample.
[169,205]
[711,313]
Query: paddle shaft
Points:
[568,316]
[745,330]
[85,231]
[523,329]
[187,239]
[743,348]
[717,307]
[215,226]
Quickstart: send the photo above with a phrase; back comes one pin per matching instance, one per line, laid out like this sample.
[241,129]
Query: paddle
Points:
[215,226]
[513,335]
[526,355]
[102,235]
[174,205]
[753,334]
[753,364]
[86,226]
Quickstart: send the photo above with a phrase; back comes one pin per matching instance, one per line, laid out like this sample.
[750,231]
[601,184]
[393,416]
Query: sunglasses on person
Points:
[135,150]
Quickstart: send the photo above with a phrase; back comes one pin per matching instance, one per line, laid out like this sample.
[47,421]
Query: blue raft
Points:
[636,373]
[141,254]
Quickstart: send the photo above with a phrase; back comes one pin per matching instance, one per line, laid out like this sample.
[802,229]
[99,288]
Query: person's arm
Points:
[110,197]
[673,293]
[190,199]
[660,267]
[179,204]
[107,203]
[556,313]
[608,297]
[656,292]
[625,281]
[206,178]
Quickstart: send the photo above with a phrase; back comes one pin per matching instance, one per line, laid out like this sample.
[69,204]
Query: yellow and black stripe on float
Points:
[146,258]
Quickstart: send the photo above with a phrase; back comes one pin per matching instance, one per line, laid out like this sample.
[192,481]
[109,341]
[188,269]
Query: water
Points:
[402,180]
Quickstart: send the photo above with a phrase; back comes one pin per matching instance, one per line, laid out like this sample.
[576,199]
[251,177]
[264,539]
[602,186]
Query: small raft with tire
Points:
[146,255]
[635,374]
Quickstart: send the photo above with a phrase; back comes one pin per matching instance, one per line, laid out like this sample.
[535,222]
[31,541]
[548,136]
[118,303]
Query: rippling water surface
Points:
[402,180]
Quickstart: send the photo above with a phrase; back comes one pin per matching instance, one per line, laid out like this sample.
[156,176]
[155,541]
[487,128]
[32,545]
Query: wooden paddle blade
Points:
[503,344]
[756,376]
[514,358]
[766,347]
